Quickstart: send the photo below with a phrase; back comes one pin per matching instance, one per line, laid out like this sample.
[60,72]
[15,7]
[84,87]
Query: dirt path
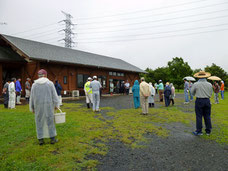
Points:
[179,151]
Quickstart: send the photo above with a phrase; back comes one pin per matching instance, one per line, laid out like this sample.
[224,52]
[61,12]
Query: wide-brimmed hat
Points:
[202,74]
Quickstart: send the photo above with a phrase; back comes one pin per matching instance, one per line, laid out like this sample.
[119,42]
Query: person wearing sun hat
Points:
[203,91]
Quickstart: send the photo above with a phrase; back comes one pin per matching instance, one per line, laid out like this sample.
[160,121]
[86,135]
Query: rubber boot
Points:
[41,141]
[152,104]
[88,105]
[53,140]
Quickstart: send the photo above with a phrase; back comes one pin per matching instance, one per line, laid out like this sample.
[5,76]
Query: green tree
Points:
[178,70]
[217,71]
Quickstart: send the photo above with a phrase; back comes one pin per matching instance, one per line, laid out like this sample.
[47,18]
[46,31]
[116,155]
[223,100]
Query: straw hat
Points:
[202,74]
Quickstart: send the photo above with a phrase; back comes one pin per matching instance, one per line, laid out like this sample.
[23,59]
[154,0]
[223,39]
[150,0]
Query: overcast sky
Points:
[145,33]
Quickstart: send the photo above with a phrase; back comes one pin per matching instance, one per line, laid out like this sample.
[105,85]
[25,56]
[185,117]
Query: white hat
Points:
[89,78]
[94,77]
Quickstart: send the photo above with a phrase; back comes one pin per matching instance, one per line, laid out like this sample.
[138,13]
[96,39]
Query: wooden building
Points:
[23,58]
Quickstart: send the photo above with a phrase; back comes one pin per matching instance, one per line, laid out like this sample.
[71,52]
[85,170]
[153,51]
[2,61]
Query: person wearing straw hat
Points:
[43,101]
[88,92]
[203,91]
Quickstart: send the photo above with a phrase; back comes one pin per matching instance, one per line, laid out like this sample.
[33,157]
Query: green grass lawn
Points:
[85,134]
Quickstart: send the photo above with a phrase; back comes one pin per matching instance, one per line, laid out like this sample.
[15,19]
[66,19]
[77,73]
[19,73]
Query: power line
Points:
[148,16]
[179,35]
[139,11]
[42,33]
[167,19]
[34,29]
[146,34]
[140,28]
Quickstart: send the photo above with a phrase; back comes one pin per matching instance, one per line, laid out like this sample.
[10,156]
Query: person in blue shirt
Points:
[136,96]
[186,90]
[160,88]
[167,94]
[18,91]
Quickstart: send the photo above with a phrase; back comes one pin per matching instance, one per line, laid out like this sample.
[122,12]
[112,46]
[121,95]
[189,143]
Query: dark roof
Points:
[43,51]
[7,54]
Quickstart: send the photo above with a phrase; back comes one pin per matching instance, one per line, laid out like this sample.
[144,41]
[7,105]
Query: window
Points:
[80,81]
[64,79]
[114,73]
[118,74]
[110,73]
[122,74]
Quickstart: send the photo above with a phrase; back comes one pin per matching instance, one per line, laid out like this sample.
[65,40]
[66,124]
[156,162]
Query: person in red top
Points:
[222,90]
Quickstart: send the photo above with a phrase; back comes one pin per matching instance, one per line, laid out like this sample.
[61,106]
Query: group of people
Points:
[218,88]
[92,92]
[145,93]
[12,92]
[44,98]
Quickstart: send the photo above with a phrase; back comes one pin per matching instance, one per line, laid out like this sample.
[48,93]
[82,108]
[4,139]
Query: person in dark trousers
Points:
[203,91]
[122,89]
[167,93]
[5,93]
[58,89]
[172,93]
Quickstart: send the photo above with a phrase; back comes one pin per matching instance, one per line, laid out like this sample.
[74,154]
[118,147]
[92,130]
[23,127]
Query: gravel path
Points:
[179,151]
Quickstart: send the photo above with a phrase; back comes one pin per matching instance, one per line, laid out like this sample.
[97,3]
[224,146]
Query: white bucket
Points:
[60,117]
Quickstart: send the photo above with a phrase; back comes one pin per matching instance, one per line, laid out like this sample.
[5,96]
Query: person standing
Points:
[111,87]
[151,97]
[186,90]
[222,90]
[136,97]
[190,87]
[167,93]
[88,92]
[96,86]
[5,93]
[27,89]
[145,92]
[160,88]
[216,89]
[127,87]
[203,91]
[12,94]
[172,93]
[156,89]
[118,87]
[58,89]
[43,101]
[122,90]
[18,90]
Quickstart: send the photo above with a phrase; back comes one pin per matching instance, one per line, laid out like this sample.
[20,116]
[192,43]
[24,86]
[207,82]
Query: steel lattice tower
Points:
[68,30]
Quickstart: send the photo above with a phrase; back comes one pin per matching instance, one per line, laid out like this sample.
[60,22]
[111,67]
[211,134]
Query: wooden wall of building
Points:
[57,71]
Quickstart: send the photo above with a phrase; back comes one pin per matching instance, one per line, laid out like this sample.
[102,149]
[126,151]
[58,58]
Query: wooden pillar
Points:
[1,79]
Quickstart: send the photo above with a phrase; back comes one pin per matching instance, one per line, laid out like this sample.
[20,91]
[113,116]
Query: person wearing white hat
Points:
[88,92]
[96,86]
[203,92]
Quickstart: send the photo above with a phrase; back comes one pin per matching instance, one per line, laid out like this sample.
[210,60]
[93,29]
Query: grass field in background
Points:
[84,135]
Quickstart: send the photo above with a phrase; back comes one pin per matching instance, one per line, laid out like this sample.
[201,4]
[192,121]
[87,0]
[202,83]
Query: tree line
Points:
[177,69]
